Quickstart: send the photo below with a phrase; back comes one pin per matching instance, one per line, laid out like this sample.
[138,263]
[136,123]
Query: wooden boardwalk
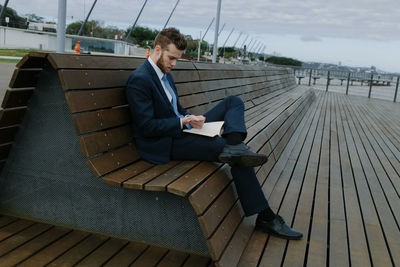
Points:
[340,186]
[31,244]
[338,181]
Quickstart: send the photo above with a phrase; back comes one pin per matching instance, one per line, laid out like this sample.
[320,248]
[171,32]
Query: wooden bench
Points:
[78,104]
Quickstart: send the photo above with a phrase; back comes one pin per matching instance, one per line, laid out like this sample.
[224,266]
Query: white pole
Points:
[62,19]
[198,52]
[215,51]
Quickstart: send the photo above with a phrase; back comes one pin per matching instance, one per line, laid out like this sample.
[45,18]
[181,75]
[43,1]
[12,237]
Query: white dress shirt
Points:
[160,74]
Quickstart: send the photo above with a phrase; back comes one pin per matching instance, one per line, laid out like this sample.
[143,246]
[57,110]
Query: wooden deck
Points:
[28,243]
[340,186]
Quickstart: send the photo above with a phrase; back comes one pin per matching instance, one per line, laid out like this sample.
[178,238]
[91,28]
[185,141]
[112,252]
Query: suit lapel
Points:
[157,81]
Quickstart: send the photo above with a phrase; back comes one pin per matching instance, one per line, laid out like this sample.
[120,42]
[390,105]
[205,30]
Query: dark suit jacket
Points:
[154,122]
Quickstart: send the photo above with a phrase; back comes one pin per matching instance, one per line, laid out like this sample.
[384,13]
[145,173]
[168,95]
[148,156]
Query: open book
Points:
[209,129]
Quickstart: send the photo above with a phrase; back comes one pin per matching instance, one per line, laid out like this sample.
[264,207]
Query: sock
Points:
[268,214]
[234,138]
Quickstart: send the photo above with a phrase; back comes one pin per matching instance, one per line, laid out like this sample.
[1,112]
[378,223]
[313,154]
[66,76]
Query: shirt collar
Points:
[159,72]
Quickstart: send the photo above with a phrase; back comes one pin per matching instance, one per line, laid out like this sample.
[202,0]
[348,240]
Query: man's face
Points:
[168,58]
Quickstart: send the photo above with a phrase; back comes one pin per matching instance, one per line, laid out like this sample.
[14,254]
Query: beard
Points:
[161,64]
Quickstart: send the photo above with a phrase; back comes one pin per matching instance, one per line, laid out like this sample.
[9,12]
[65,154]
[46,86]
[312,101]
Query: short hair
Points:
[168,36]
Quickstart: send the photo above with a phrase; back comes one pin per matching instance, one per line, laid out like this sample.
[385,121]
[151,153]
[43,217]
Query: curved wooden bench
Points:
[199,202]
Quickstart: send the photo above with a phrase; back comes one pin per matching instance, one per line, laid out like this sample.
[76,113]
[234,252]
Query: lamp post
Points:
[62,18]
[215,51]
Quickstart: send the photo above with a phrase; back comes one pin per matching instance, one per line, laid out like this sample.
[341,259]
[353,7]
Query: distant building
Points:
[44,27]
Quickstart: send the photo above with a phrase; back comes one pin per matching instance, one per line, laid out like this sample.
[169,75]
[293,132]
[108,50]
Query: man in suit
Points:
[158,120]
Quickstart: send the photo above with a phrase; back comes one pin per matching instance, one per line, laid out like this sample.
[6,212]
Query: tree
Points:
[15,20]
[284,61]
[34,18]
[142,36]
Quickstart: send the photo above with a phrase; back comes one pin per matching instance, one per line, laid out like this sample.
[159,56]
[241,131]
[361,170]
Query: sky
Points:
[358,33]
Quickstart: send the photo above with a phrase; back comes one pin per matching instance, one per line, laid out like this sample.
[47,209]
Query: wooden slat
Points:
[383,212]
[56,249]
[100,120]
[103,253]
[7,134]
[13,228]
[161,182]
[209,190]
[106,140]
[33,246]
[92,79]
[5,220]
[185,75]
[23,78]
[79,101]
[140,180]
[32,60]
[172,259]
[150,257]
[80,251]
[377,244]
[253,250]
[197,261]
[233,251]
[338,246]
[127,255]
[311,149]
[27,234]
[194,177]
[219,240]
[114,160]
[120,176]
[71,61]
[11,116]
[217,211]
[16,98]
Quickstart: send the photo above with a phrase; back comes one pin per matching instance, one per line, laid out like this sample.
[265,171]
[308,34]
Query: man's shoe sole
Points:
[259,228]
[244,160]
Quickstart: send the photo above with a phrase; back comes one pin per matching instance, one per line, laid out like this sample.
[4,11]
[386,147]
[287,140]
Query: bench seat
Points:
[66,111]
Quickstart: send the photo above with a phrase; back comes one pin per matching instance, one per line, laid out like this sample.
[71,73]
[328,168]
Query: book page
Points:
[209,129]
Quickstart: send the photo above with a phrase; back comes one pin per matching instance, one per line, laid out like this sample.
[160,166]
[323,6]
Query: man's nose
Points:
[173,63]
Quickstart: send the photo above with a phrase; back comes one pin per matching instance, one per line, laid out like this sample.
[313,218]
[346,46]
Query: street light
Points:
[215,51]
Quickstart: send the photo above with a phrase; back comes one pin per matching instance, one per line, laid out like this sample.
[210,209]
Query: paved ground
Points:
[6,71]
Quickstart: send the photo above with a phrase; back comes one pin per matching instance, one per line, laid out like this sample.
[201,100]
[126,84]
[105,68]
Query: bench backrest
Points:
[94,89]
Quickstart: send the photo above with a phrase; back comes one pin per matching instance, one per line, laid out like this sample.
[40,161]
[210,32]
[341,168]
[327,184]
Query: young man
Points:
[158,120]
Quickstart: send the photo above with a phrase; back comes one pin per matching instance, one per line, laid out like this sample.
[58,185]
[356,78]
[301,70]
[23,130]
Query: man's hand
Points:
[194,121]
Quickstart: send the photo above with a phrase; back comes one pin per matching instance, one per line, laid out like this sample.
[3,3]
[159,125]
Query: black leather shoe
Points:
[277,227]
[241,155]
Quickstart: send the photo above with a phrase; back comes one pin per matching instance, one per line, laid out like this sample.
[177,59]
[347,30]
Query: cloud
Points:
[309,38]
[356,19]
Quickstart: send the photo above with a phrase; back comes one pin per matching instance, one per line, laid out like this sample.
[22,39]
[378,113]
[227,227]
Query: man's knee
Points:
[235,100]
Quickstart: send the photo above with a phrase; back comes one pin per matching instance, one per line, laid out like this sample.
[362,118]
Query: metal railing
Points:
[359,80]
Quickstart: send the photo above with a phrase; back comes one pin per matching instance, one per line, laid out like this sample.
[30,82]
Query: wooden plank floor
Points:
[337,181]
[339,185]
[28,243]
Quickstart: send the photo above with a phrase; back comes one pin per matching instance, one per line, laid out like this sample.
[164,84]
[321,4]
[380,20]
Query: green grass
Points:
[3,60]
[14,52]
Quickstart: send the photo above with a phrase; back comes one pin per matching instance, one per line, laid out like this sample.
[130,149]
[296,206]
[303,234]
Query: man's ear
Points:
[157,48]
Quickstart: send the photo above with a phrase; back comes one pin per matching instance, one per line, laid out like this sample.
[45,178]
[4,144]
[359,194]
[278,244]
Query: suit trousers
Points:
[197,147]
